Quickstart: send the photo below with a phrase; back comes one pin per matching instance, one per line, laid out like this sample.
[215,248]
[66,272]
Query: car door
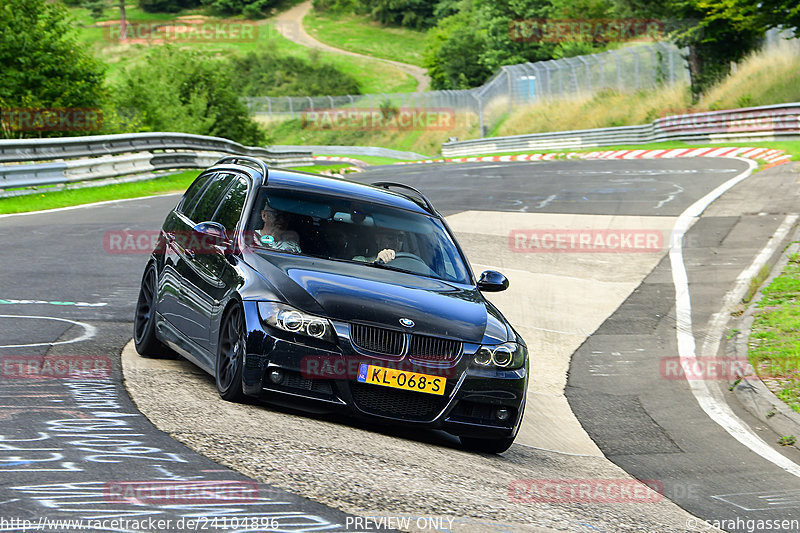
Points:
[190,250]
[211,274]
[219,275]
[175,227]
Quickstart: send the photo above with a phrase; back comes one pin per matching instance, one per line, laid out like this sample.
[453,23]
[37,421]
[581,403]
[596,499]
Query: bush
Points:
[265,74]
[186,91]
[248,8]
[334,6]
[167,6]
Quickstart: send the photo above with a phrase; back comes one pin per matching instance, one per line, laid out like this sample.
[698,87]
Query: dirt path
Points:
[290,25]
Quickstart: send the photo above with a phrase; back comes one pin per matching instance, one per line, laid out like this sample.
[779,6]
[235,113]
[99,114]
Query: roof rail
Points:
[387,184]
[247,161]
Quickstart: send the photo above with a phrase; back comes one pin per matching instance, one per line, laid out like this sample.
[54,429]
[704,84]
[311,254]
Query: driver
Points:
[275,233]
[388,242]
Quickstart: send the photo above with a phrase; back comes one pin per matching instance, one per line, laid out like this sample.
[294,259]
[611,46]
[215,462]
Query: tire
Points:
[230,355]
[144,321]
[486,445]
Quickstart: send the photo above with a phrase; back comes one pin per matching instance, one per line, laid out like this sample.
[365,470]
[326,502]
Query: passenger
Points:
[388,242]
[275,233]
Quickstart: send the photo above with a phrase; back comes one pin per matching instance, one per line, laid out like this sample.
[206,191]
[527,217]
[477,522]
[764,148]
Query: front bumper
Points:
[477,402]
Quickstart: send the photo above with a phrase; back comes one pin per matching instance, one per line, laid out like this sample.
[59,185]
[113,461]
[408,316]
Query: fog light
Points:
[276,375]
[502,414]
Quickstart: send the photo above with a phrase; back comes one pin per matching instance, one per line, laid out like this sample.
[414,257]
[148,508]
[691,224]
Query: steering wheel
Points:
[412,262]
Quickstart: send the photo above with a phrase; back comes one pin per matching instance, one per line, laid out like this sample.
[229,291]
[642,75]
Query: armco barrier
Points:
[766,123]
[143,153]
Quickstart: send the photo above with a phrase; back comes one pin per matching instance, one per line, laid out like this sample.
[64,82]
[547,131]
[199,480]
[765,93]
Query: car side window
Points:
[230,209]
[212,194]
[194,192]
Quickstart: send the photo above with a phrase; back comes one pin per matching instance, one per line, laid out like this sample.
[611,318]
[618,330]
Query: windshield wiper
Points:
[381,264]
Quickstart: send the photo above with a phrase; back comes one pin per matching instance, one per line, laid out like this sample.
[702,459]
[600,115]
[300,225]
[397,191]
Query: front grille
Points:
[377,340]
[408,405]
[433,349]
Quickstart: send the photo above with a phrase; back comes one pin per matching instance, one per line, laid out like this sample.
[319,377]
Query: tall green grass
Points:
[359,34]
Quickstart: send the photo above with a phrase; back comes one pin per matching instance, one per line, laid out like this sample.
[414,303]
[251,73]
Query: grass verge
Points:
[372,76]
[66,198]
[774,350]
[360,35]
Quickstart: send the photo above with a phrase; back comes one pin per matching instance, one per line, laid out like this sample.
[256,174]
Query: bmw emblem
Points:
[407,322]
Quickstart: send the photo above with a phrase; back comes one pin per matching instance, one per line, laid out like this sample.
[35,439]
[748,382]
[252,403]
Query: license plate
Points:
[401,379]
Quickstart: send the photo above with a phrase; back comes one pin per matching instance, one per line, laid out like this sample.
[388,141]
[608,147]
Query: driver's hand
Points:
[385,255]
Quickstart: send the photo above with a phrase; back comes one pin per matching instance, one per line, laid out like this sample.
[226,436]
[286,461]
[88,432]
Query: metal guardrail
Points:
[354,150]
[97,156]
[765,123]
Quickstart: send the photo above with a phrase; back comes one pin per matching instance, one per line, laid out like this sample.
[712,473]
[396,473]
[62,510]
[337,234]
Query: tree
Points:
[452,53]
[716,32]
[195,97]
[465,49]
[44,66]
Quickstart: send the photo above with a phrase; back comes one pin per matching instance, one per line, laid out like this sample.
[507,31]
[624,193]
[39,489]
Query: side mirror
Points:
[492,281]
[212,234]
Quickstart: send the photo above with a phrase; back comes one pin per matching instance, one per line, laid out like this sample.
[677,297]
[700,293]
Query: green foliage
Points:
[186,91]
[248,8]
[167,6]
[717,32]
[335,6]
[266,74]
[452,53]
[415,14]
[466,48]
[43,66]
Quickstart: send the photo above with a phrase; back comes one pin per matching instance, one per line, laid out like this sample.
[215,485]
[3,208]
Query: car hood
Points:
[354,292]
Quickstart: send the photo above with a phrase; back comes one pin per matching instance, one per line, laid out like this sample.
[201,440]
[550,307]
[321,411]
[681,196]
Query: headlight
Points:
[291,320]
[508,356]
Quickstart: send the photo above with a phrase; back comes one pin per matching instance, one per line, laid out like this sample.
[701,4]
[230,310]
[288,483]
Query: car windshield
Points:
[340,229]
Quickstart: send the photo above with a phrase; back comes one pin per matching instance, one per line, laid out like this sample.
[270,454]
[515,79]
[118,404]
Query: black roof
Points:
[315,183]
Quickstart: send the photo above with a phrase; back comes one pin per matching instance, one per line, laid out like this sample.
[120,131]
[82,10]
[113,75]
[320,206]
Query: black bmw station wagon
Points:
[326,294]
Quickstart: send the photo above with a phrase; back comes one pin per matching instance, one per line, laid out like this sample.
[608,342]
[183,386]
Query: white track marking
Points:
[89,331]
[83,206]
[716,408]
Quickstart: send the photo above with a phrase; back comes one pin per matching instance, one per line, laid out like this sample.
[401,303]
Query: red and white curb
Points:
[339,159]
[773,157]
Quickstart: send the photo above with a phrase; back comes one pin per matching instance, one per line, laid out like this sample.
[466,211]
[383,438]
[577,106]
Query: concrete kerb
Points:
[753,394]
[771,156]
